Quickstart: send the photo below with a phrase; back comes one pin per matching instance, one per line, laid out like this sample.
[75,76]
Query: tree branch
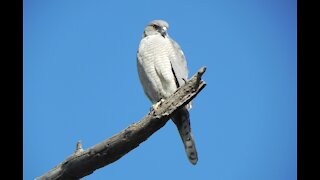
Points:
[83,162]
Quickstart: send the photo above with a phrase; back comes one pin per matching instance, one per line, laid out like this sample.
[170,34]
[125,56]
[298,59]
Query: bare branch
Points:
[84,162]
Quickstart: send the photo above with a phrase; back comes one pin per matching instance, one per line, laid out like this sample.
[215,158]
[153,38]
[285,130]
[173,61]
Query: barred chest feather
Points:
[154,67]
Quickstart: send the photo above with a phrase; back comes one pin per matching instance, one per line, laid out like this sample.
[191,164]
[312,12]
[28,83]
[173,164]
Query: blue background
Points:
[80,83]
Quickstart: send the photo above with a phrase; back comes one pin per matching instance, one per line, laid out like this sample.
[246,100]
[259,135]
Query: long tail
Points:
[182,121]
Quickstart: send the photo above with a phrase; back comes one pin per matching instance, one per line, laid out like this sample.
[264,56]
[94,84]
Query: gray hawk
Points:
[162,68]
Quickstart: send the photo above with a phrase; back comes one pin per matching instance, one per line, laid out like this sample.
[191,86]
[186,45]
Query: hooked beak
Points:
[164,32]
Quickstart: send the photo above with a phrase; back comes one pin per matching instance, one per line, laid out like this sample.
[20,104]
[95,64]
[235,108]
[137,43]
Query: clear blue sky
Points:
[80,82]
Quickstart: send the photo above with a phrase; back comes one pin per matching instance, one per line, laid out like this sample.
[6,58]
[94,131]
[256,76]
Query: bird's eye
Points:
[154,26]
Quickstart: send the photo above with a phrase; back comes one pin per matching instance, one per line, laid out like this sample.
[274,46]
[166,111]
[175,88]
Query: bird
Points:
[162,69]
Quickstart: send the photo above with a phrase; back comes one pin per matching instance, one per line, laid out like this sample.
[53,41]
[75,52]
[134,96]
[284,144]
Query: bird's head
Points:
[156,27]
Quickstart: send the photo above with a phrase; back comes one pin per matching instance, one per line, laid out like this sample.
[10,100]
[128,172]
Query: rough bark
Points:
[84,162]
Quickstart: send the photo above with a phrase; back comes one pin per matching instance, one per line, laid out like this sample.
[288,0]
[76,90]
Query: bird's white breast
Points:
[155,68]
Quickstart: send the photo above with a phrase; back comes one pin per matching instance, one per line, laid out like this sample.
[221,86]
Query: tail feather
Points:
[182,121]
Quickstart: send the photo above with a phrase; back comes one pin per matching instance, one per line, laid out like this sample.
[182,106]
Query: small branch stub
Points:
[79,147]
[199,75]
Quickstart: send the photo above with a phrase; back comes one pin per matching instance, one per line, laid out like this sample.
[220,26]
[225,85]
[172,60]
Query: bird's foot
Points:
[157,104]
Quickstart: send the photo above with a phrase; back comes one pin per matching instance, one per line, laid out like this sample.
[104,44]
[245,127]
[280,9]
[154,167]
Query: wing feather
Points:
[179,63]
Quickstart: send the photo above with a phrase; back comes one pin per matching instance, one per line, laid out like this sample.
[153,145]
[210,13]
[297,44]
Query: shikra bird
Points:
[162,68]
